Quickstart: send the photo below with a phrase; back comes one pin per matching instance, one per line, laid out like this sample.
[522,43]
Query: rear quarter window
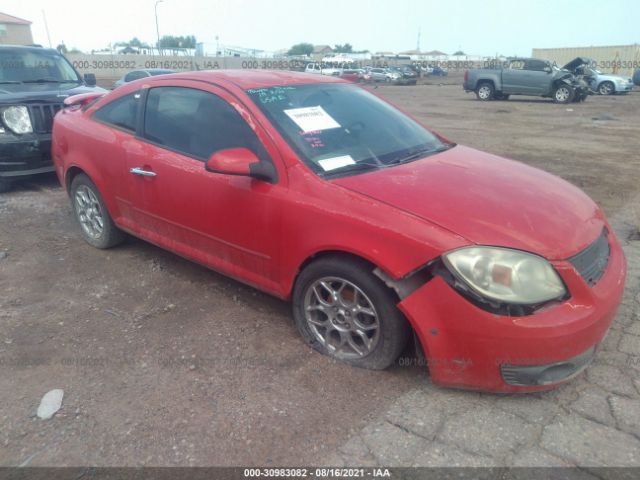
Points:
[121,113]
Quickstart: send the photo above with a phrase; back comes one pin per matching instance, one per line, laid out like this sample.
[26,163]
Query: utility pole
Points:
[157,27]
[46,27]
[418,44]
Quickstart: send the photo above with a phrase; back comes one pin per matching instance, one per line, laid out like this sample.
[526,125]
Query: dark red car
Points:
[315,190]
[355,76]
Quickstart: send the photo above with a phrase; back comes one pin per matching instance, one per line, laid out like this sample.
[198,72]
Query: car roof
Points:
[28,48]
[248,79]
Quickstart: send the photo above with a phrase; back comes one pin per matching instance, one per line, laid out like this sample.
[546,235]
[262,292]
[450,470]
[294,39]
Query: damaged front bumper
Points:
[25,155]
[469,347]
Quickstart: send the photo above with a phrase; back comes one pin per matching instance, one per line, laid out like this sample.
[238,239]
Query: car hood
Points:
[488,200]
[608,76]
[577,62]
[44,92]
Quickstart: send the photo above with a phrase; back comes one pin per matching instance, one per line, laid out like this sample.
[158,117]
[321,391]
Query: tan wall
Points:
[109,68]
[118,65]
[621,59]
[16,35]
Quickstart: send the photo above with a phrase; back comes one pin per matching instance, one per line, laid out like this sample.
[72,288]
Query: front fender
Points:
[391,239]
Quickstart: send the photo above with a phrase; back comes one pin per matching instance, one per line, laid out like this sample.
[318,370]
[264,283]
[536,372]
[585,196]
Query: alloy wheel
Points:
[89,212]
[605,89]
[341,317]
[562,94]
[484,92]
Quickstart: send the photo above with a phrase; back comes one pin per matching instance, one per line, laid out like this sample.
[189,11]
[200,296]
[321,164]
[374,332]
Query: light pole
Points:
[158,28]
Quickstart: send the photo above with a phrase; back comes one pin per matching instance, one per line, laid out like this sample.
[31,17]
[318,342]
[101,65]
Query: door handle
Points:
[140,171]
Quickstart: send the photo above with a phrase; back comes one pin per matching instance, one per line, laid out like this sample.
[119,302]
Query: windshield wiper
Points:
[421,153]
[9,82]
[50,80]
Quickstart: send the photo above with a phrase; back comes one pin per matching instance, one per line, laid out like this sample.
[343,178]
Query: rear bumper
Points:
[468,347]
[24,156]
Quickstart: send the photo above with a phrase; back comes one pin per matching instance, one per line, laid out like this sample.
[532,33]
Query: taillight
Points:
[466,75]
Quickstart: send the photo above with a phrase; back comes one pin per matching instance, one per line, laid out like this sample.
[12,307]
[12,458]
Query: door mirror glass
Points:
[232,161]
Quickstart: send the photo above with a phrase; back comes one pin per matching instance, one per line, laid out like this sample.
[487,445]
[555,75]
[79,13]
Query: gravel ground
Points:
[166,363]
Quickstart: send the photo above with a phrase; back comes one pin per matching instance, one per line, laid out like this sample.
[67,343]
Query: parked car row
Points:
[403,75]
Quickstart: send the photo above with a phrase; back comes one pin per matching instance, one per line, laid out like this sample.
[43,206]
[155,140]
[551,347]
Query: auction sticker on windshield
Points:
[336,162]
[311,119]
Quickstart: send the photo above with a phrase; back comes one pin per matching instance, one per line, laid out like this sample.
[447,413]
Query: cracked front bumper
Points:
[468,347]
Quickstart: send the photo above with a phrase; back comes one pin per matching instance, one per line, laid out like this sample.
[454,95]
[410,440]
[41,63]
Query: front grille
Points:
[549,374]
[42,116]
[592,262]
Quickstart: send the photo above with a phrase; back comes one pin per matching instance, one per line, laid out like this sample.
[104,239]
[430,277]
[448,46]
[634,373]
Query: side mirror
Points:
[243,162]
[547,69]
[90,79]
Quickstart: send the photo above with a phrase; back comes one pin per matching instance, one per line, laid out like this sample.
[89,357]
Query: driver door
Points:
[218,220]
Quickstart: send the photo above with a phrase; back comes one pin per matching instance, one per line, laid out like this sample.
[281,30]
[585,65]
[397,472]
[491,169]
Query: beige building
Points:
[14,30]
[618,59]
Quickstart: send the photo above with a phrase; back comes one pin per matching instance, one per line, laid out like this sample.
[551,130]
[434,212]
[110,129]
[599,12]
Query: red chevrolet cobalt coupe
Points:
[315,190]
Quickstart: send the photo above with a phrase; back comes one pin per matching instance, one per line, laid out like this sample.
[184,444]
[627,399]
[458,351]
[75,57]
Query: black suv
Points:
[34,82]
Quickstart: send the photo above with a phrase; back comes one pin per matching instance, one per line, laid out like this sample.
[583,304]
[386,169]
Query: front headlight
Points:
[506,275]
[17,119]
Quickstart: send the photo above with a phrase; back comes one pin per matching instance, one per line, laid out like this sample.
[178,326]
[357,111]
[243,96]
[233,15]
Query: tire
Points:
[485,91]
[96,224]
[580,98]
[563,94]
[606,88]
[360,325]
[5,185]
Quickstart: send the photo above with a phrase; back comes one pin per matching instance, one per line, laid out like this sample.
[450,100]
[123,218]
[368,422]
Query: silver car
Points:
[609,84]
[137,74]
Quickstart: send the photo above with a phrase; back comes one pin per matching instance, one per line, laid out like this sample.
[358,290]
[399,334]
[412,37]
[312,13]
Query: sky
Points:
[486,27]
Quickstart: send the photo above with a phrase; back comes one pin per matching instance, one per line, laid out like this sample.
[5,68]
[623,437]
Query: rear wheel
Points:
[485,91]
[342,310]
[563,94]
[96,225]
[606,88]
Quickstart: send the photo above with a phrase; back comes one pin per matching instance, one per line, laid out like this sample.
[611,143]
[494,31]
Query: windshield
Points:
[160,72]
[30,66]
[343,129]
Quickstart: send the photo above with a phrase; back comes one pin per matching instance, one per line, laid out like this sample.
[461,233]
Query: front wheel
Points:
[95,222]
[485,91]
[342,310]
[563,94]
[606,88]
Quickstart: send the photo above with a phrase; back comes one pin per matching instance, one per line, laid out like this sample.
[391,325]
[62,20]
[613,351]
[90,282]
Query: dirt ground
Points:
[166,363]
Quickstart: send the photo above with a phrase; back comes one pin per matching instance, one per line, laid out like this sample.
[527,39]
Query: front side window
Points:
[340,129]
[121,113]
[536,65]
[196,123]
